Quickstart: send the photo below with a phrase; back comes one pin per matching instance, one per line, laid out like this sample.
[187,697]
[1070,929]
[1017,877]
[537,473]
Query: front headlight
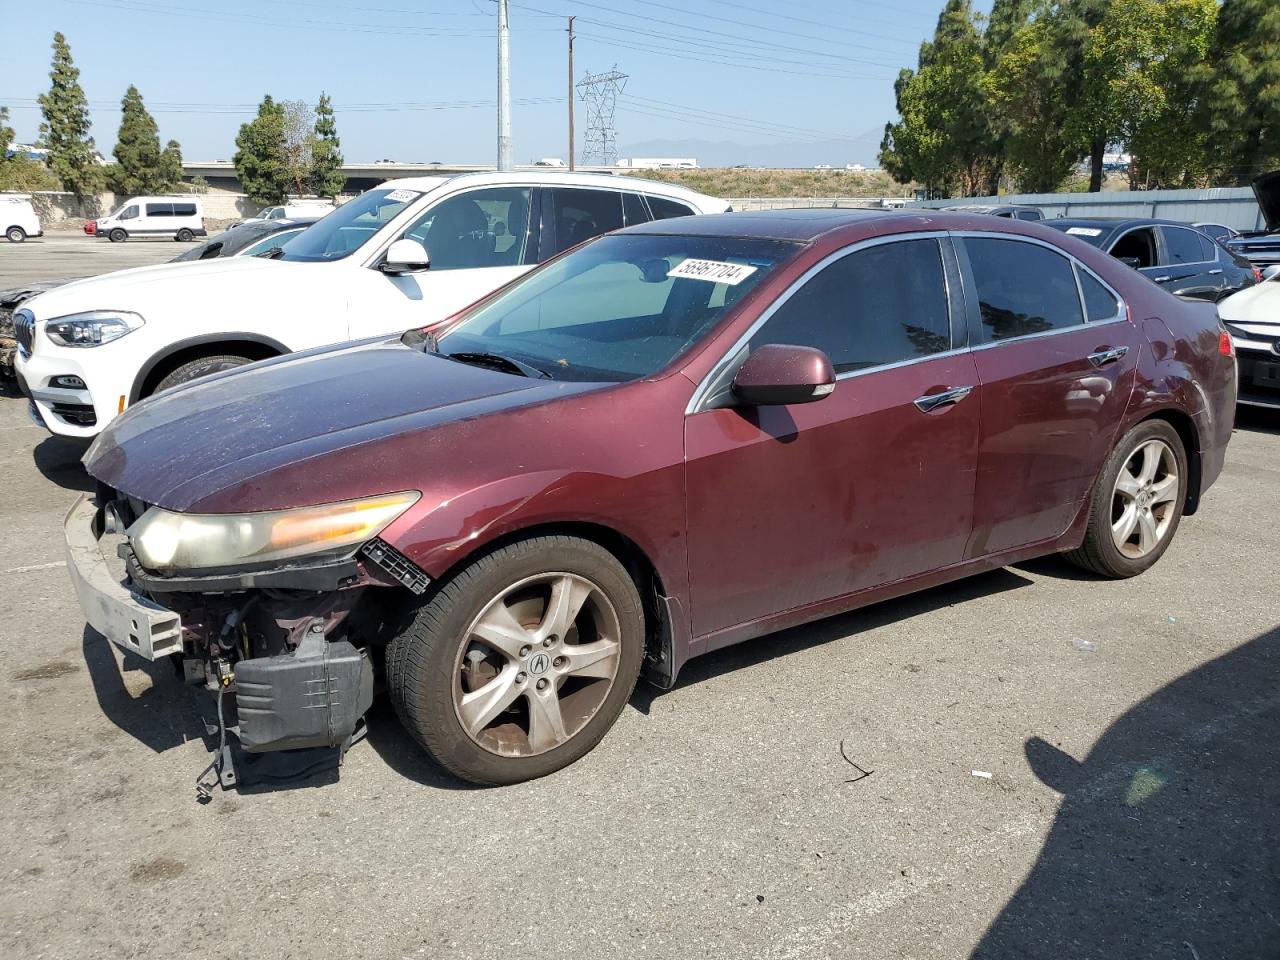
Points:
[167,542]
[93,328]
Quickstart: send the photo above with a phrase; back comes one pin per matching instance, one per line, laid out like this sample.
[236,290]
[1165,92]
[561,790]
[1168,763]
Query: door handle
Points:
[932,401]
[1164,279]
[1103,357]
[1214,273]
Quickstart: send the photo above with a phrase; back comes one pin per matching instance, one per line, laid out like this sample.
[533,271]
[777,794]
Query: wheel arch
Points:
[252,345]
[1185,427]
[667,630]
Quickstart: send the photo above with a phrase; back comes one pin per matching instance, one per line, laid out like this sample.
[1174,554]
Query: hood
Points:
[1267,189]
[133,288]
[229,432]
[1259,303]
[11,298]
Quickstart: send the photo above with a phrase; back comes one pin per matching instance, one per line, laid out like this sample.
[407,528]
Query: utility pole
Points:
[571,19]
[504,88]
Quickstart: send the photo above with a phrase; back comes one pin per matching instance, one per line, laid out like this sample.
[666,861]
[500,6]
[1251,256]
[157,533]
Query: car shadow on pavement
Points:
[1167,842]
[393,744]
[162,716]
[58,460]
[796,639]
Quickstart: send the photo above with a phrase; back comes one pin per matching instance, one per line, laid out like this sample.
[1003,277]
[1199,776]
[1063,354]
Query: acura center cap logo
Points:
[539,664]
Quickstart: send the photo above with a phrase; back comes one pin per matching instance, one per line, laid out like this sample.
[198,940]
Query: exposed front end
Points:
[284,630]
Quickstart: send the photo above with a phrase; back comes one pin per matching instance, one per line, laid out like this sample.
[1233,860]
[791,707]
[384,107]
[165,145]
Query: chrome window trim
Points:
[695,404]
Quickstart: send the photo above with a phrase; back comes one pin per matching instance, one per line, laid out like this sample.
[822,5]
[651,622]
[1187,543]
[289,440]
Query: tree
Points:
[171,165]
[1148,51]
[65,130]
[299,134]
[1024,86]
[7,135]
[137,150]
[1006,19]
[944,136]
[1241,89]
[327,178]
[260,155]
[1082,83]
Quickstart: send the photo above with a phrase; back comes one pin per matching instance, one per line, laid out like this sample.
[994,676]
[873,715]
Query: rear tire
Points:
[15,234]
[200,367]
[569,666]
[117,236]
[1137,504]
[184,235]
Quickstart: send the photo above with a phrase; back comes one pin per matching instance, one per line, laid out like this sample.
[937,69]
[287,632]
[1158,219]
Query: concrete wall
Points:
[1234,206]
[63,209]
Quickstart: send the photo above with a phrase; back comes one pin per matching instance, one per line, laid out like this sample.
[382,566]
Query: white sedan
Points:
[1252,317]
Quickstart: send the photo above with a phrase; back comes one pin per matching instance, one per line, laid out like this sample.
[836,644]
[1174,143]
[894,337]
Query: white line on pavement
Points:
[37,566]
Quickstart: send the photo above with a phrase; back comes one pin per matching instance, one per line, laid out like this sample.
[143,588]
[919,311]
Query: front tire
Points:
[117,236]
[15,234]
[1137,504]
[200,367]
[520,663]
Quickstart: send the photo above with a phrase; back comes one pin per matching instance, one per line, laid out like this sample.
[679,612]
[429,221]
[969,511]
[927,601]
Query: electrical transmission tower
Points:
[600,93]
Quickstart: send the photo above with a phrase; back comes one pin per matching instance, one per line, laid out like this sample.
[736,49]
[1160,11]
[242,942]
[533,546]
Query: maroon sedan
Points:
[673,438]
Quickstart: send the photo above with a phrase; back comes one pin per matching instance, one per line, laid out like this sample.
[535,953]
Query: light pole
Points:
[504,88]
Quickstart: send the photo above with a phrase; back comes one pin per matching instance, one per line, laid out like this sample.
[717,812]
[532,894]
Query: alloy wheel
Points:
[1144,501]
[536,664]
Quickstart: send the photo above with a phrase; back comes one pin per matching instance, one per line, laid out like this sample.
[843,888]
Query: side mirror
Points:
[779,373]
[405,256]
[1130,262]
[1271,272]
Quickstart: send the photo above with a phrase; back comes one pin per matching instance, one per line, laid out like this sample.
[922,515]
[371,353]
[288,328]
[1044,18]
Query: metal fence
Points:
[1234,206]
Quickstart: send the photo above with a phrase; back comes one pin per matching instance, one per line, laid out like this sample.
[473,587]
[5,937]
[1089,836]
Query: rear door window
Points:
[880,305]
[1182,246]
[1022,289]
[184,209]
[159,209]
[664,209]
[580,214]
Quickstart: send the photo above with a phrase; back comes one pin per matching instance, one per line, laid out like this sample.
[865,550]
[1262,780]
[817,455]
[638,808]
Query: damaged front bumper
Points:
[281,646]
[128,619]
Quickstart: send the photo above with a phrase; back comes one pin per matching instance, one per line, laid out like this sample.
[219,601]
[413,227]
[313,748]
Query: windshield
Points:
[1083,231]
[620,308]
[346,229]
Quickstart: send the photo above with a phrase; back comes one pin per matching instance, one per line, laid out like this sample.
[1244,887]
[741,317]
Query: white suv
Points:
[406,254]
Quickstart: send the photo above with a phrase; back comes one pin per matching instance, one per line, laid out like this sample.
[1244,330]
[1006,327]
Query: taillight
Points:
[1225,346]
[1257,274]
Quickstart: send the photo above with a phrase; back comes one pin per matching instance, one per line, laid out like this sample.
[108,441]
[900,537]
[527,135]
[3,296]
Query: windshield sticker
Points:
[713,271]
[1084,231]
[403,196]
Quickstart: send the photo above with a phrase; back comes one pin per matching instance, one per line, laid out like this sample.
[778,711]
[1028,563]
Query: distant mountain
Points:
[727,153]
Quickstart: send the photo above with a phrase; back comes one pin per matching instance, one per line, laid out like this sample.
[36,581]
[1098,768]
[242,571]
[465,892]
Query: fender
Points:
[145,370]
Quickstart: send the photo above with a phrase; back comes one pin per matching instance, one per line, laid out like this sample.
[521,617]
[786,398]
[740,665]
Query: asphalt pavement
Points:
[66,254]
[1029,763]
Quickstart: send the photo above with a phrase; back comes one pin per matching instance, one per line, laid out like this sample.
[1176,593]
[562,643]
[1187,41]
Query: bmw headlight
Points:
[92,329]
[167,542]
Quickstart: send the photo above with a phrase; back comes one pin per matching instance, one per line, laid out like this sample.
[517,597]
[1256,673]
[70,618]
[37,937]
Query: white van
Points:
[179,218]
[18,218]
[406,254]
[294,209]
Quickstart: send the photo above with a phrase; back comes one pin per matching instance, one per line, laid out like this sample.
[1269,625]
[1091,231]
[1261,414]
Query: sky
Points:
[764,82]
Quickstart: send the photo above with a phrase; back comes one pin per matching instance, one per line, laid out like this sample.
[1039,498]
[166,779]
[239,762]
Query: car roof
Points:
[552,177]
[1114,223]
[806,225]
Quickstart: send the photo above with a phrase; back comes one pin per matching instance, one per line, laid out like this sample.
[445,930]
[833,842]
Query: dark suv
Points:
[1181,259]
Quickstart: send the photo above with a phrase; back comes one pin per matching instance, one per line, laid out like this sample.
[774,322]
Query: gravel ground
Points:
[1128,730]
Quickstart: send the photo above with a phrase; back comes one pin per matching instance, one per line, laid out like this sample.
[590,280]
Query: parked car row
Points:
[89,350]
[591,458]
